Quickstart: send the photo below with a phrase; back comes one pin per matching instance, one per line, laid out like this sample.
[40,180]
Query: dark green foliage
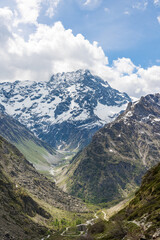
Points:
[98,227]
[147,199]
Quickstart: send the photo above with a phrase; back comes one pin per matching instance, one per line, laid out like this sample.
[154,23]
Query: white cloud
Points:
[126,12]
[140,4]
[91,4]
[53,4]
[6,13]
[52,49]
[127,77]
[88,2]
[124,66]
[158,18]
[156,2]
[6,17]
[29,10]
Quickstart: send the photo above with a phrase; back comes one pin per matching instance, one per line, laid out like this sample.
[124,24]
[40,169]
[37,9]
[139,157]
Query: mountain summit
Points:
[66,110]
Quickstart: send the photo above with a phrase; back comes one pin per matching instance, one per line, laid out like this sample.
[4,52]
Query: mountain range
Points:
[112,165]
[64,111]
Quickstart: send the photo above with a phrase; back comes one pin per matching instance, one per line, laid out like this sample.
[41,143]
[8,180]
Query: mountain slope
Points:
[113,163]
[35,150]
[66,110]
[24,175]
[147,198]
[16,210]
[141,218]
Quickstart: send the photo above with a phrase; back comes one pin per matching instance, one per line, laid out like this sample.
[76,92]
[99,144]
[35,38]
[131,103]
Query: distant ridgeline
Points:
[66,110]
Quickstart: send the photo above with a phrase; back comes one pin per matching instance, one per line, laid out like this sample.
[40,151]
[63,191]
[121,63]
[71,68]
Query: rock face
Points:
[119,154]
[36,151]
[25,176]
[64,111]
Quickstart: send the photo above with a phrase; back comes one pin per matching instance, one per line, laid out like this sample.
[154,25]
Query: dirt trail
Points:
[113,210]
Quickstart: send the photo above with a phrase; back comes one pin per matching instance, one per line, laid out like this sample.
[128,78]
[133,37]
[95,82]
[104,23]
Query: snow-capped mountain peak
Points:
[68,107]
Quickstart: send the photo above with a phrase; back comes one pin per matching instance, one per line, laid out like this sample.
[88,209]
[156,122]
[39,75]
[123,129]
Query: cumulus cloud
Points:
[28,11]
[52,49]
[49,50]
[124,66]
[158,18]
[6,13]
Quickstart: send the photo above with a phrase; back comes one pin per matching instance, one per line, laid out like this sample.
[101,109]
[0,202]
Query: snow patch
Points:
[107,113]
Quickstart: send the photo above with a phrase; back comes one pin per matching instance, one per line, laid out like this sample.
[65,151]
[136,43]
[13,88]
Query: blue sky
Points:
[124,28]
[118,40]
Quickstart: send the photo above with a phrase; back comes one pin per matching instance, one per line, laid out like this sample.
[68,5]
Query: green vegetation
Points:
[140,219]
[35,150]
[34,153]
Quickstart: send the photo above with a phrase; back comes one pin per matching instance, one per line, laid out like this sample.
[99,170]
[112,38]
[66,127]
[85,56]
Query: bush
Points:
[98,227]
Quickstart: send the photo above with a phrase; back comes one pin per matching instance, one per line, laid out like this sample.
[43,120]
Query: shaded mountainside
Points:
[66,110]
[120,153]
[140,219]
[16,210]
[24,175]
[35,150]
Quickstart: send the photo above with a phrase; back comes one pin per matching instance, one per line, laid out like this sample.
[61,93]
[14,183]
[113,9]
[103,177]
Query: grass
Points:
[33,153]
[61,218]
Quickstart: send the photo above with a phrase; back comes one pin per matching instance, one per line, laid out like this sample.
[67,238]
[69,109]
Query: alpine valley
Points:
[98,194]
